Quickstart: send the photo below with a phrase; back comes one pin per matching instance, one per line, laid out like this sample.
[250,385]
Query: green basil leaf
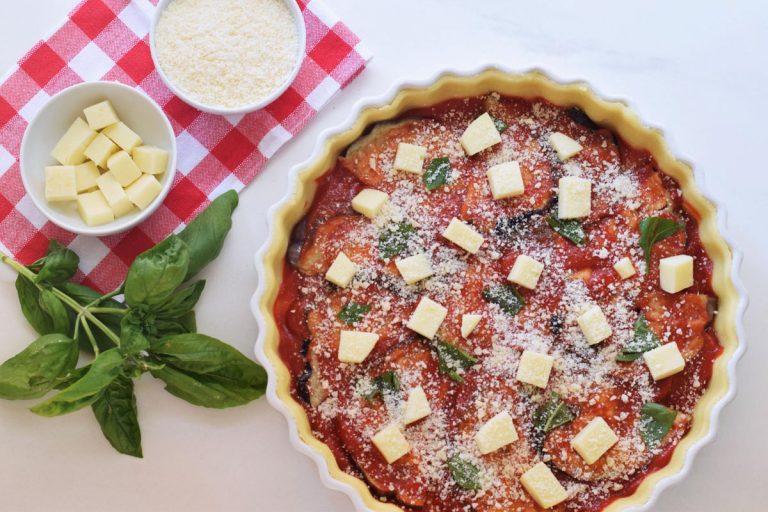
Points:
[437,173]
[181,302]
[59,265]
[133,338]
[643,341]
[205,371]
[56,310]
[29,299]
[506,297]
[73,376]
[181,325]
[656,229]
[38,368]
[394,239]
[116,412]
[500,125]
[464,473]
[205,235]
[156,273]
[387,382]
[570,229]
[85,295]
[655,423]
[552,414]
[103,370]
[353,312]
[453,361]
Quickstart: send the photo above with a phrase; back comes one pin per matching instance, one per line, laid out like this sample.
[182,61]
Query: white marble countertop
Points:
[693,68]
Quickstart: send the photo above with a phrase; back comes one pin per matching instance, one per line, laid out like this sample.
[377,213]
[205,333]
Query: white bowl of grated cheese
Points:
[228,57]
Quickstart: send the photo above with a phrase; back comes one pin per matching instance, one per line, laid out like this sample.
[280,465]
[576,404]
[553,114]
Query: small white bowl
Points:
[133,107]
[298,20]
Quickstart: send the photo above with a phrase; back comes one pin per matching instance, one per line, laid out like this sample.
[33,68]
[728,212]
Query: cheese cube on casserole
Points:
[496,433]
[468,323]
[86,175]
[123,136]
[534,368]
[94,209]
[60,183]
[417,406]
[574,198]
[664,361]
[624,268]
[144,190]
[100,115]
[414,268]
[676,273]
[594,440]
[479,135]
[100,149]
[427,318]
[505,180]
[543,486]
[391,443]
[114,194]
[369,202]
[594,325]
[341,271]
[464,236]
[150,160]
[354,346]
[123,168]
[70,150]
[526,271]
[564,146]
[410,158]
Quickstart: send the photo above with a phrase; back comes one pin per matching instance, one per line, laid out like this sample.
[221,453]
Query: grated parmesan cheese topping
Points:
[227,53]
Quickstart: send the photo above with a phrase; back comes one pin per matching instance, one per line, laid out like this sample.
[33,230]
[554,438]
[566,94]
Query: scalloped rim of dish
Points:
[612,113]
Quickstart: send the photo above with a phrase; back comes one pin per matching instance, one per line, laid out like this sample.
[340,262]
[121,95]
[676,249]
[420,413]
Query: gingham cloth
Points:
[108,40]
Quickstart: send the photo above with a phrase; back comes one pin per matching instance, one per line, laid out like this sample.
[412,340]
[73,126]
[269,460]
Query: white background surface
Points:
[697,69]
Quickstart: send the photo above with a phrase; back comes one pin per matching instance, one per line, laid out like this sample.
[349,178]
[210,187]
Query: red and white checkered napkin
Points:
[108,40]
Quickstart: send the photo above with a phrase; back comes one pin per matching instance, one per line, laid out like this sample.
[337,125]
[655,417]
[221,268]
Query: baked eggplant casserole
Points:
[494,303]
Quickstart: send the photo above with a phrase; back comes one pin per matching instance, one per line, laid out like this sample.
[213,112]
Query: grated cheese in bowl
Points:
[228,56]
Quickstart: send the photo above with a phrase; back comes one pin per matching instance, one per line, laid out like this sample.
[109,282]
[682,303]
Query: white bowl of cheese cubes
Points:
[98,158]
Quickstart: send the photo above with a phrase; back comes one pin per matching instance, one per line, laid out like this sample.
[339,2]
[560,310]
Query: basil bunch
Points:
[152,330]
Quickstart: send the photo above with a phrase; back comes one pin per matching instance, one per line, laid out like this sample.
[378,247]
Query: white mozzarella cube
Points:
[144,190]
[464,236]
[594,325]
[414,268]
[496,433]
[391,443]
[369,202]
[526,272]
[115,194]
[100,149]
[354,346]
[341,271]
[479,135]
[93,209]
[534,368]
[410,158]
[123,168]
[417,406]
[60,183]
[100,115]
[574,198]
[664,361]
[86,175]
[427,318]
[594,440]
[123,136]
[676,273]
[564,146]
[150,160]
[543,486]
[70,150]
[469,323]
[624,268]
[505,180]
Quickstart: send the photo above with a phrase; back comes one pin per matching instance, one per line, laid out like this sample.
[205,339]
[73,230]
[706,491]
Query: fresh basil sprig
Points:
[464,473]
[453,361]
[394,239]
[643,341]
[152,331]
[506,297]
[552,414]
[353,312]
[570,229]
[437,173]
[655,422]
[656,229]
